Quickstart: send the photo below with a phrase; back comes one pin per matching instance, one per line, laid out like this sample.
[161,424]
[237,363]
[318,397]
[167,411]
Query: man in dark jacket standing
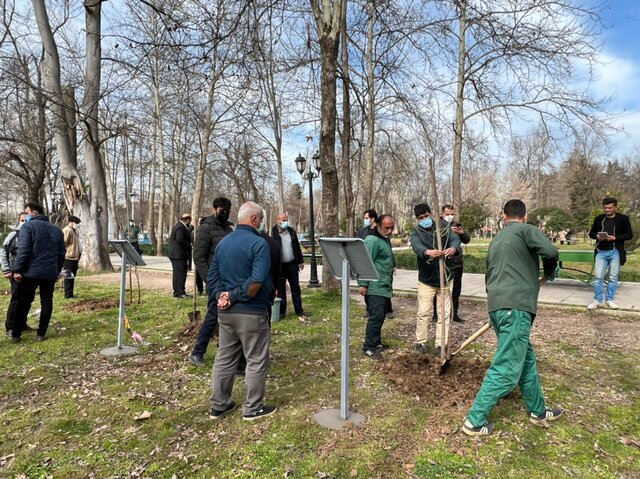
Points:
[38,263]
[180,253]
[610,230]
[424,243]
[291,263]
[208,235]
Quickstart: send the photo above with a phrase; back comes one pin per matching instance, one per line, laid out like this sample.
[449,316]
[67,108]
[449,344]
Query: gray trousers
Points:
[241,333]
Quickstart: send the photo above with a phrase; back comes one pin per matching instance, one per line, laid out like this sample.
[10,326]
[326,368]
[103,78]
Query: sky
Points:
[619,75]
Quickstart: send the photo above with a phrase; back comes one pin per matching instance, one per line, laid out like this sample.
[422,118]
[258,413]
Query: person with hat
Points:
[72,256]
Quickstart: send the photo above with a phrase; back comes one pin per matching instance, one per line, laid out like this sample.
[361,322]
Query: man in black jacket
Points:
[610,230]
[210,232]
[180,253]
[38,263]
[291,263]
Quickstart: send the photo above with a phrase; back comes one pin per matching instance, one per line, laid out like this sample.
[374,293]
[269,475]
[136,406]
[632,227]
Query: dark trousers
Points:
[71,266]
[208,327]
[456,289]
[13,306]
[26,293]
[455,292]
[388,306]
[377,311]
[179,267]
[199,282]
[136,246]
[290,272]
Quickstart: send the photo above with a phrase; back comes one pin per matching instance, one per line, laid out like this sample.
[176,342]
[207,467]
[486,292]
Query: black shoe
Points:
[458,319]
[69,297]
[40,338]
[215,414]
[28,328]
[382,347]
[373,354]
[197,360]
[484,430]
[263,412]
[15,339]
[421,348]
[548,415]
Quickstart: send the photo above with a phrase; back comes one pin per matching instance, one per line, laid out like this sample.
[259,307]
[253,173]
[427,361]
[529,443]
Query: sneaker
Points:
[484,430]
[263,412]
[421,348]
[548,415]
[373,354]
[612,304]
[197,360]
[382,347]
[216,414]
[40,338]
[594,305]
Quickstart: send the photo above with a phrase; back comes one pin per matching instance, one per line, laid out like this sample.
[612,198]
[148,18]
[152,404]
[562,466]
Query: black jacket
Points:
[208,235]
[618,226]
[41,250]
[275,253]
[295,244]
[179,242]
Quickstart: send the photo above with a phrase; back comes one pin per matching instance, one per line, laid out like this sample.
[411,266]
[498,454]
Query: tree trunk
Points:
[371,112]
[345,139]
[459,120]
[327,21]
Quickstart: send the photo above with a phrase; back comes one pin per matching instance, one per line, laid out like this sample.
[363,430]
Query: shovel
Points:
[445,364]
[194,315]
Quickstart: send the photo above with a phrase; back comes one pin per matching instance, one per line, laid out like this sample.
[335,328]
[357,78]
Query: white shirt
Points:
[287,248]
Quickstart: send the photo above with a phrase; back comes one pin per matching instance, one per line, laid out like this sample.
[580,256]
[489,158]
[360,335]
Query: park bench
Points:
[577,256]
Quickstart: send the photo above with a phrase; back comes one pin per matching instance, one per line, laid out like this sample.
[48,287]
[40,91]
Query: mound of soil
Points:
[419,375]
[92,305]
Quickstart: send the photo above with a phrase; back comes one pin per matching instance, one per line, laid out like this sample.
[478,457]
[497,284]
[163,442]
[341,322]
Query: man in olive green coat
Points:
[512,297]
[381,290]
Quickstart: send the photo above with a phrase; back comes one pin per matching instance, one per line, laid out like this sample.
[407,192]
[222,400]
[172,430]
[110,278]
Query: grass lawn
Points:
[67,412]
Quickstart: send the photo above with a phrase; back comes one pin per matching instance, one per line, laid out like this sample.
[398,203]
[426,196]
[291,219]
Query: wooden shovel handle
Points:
[473,337]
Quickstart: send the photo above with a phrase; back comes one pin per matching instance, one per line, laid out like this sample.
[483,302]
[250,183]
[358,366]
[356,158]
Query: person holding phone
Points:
[610,230]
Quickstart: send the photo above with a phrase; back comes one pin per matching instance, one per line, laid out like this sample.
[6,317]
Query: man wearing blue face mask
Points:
[424,243]
[291,263]
[369,222]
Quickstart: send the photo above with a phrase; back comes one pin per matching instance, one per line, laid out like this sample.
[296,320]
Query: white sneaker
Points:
[612,305]
[594,305]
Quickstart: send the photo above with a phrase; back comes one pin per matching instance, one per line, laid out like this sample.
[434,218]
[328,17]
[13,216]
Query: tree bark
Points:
[459,120]
[345,138]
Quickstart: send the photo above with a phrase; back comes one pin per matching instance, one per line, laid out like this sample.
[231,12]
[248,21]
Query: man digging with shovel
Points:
[512,296]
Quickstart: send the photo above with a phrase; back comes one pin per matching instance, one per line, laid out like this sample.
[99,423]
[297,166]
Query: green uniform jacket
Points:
[512,267]
[382,256]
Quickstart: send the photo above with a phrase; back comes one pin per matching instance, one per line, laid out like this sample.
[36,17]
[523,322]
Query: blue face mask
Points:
[367,222]
[284,225]
[28,218]
[426,223]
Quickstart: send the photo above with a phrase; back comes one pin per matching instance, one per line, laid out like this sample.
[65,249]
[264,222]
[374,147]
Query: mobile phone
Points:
[602,235]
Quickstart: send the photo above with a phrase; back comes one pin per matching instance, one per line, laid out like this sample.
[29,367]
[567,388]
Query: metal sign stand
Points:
[130,257]
[348,259]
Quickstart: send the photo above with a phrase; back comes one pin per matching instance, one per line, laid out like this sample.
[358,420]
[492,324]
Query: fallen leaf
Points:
[627,441]
[354,472]
[143,415]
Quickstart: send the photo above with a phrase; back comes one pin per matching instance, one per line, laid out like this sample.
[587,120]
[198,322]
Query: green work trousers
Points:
[514,364]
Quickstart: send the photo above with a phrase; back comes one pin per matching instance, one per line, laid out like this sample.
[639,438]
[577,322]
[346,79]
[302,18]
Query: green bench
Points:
[577,256]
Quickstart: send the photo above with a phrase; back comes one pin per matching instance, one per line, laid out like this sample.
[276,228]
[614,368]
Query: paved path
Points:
[567,292]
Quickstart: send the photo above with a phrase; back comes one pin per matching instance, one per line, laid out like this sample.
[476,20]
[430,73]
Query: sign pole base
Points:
[332,419]
[116,351]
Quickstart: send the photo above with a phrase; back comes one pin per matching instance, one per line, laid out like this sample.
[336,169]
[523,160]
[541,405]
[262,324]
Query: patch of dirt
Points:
[153,280]
[92,305]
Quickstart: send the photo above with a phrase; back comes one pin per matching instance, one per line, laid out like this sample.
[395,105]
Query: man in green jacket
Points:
[512,297]
[381,290]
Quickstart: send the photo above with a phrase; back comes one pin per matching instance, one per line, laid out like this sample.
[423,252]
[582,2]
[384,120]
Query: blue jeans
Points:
[606,259]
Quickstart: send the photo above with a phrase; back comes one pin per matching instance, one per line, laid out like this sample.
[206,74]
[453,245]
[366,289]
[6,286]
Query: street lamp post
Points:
[307,173]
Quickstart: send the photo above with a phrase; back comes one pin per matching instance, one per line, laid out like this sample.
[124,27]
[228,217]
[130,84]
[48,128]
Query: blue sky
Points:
[620,73]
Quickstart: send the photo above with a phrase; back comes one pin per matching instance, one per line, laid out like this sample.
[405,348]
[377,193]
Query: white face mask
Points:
[448,218]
